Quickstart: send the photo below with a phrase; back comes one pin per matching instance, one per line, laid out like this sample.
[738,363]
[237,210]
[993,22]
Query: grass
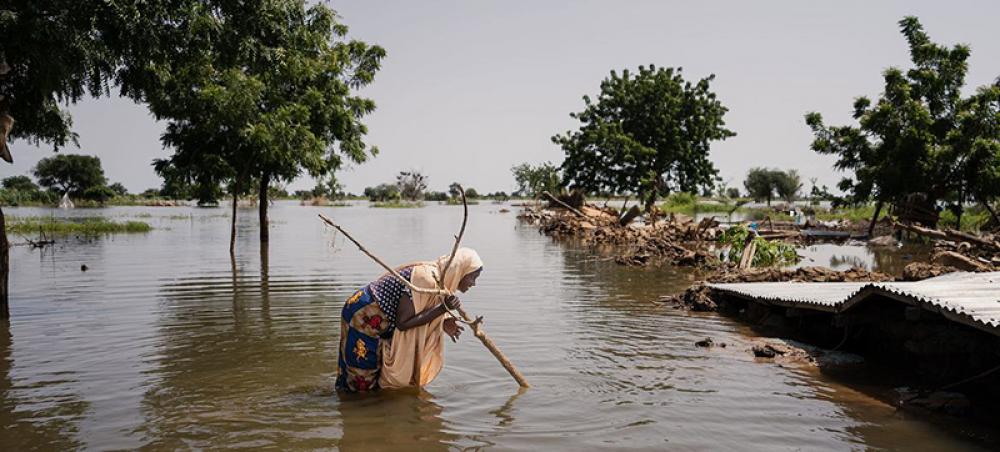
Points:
[67,226]
[397,204]
[973,219]
[756,214]
[854,214]
[689,204]
[458,202]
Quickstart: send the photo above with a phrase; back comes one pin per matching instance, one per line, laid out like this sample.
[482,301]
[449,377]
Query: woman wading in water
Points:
[391,337]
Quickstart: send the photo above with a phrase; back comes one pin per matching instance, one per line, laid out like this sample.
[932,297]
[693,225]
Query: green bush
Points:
[768,254]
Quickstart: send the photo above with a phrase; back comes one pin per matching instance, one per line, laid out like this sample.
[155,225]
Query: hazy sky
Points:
[470,88]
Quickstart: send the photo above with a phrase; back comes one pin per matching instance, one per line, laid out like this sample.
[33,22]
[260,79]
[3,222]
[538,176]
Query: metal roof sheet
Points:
[969,298]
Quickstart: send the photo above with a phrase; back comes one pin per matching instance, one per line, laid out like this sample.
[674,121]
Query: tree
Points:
[411,185]
[99,193]
[647,133]
[764,183]
[436,196]
[455,190]
[382,193]
[919,140]
[20,183]
[70,173]
[118,189]
[266,87]
[52,55]
[471,193]
[732,192]
[760,184]
[533,180]
[787,184]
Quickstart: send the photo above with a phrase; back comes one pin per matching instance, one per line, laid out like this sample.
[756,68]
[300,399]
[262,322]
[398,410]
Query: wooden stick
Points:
[383,264]
[567,206]
[476,325]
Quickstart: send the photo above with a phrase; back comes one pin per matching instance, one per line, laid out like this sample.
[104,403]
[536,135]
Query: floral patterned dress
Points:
[367,319]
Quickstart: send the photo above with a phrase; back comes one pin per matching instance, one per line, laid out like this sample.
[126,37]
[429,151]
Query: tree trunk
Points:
[650,202]
[232,230]
[4,268]
[871,225]
[630,215]
[265,180]
[992,212]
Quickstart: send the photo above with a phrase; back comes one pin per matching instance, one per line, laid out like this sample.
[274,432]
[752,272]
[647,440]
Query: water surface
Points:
[163,344]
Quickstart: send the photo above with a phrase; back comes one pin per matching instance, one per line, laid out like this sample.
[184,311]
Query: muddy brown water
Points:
[161,345]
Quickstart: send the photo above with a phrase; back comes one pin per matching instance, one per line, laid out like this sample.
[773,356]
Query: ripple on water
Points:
[164,344]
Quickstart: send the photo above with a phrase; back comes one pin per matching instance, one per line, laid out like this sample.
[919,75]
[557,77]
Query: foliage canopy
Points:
[648,132]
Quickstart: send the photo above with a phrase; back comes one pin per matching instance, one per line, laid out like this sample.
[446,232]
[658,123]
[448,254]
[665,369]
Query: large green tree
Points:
[70,173]
[920,139]
[648,132]
[266,93]
[52,54]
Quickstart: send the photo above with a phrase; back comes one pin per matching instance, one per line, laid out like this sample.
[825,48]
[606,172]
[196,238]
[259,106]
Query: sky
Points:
[470,88]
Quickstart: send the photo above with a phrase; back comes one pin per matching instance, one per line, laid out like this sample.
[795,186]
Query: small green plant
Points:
[768,254]
[397,204]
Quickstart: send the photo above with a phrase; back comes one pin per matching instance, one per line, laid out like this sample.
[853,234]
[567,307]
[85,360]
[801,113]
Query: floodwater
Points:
[162,344]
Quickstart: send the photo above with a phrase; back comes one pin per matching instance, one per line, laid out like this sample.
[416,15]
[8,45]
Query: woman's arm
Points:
[406,318]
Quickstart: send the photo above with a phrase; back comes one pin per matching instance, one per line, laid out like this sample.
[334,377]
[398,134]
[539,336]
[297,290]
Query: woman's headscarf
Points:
[414,357]
[466,261]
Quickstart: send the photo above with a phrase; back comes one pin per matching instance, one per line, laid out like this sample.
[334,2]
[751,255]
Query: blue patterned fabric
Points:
[388,290]
[367,319]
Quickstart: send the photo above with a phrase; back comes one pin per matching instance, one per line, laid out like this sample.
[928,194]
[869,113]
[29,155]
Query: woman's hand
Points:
[452,302]
[453,329]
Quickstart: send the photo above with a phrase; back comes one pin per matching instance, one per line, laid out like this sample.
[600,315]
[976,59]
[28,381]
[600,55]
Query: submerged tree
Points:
[920,139]
[411,185]
[648,132]
[266,87]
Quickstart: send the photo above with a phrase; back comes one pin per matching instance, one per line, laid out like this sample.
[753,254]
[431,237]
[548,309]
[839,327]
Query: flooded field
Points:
[162,344]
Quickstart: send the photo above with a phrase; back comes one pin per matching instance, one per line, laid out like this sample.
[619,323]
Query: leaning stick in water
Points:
[476,325]
[464,317]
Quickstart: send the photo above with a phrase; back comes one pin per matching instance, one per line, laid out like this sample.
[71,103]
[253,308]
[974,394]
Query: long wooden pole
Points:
[476,324]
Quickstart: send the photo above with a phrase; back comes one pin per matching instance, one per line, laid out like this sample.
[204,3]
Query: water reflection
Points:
[30,422]
[393,420]
[168,344]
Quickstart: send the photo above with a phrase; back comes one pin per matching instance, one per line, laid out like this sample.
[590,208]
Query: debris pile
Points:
[676,239]
[961,250]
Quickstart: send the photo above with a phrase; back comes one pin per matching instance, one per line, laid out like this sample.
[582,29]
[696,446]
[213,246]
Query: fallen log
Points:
[947,234]
[564,205]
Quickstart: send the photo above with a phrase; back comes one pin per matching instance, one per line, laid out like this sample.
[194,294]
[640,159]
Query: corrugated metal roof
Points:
[969,298]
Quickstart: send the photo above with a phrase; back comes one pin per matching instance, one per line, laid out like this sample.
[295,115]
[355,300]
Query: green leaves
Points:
[920,135]
[70,173]
[532,180]
[648,132]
